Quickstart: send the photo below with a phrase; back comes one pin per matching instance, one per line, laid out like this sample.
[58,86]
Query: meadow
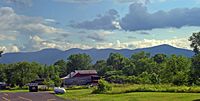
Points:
[136,93]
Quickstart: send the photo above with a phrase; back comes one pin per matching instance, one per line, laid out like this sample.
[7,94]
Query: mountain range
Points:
[51,55]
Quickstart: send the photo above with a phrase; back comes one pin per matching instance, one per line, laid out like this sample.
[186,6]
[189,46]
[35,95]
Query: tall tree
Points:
[2,73]
[195,70]
[62,67]
[79,62]
[117,61]
[101,67]
[159,58]
[24,73]
[177,70]
[195,42]
[140,55]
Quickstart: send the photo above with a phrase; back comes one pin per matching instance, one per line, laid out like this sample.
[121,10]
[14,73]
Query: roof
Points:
[86,71]
[72,74]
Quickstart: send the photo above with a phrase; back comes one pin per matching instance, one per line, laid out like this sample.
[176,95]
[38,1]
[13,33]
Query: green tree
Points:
[195,70]
[117,61]
[144,78]
[177,70]
[103,87]
[48,82]
[146,65]
[101,67]
[159,58]
[195,42]
[140,55]
[57,81]
[24,73]
[79,62]
[129,69]
[62,67]
[2,73]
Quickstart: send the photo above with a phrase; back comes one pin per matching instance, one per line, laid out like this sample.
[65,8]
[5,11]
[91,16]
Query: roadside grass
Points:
[15,89]
[12,91]
[128,88]
[85,95]
[130,92]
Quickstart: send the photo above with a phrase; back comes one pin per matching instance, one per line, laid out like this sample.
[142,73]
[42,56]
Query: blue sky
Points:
[32,25]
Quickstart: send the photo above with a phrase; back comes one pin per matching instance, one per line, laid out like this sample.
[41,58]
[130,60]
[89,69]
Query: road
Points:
[36,96]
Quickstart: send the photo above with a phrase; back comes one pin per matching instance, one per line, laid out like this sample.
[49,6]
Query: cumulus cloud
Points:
[10,48]
[15,26]
[38,43]
[108,21]
[139,18]
[12,22]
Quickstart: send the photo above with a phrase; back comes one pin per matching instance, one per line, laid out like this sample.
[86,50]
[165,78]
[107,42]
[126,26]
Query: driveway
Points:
[36,96]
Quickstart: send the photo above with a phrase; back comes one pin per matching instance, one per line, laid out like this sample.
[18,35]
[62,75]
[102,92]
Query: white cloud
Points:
[7,37]
[38,43]
[176,42]
[100,35]
[116,24]
[10,21]
[10,48]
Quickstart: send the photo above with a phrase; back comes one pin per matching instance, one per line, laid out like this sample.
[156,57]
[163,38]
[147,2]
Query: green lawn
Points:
[14,91]
[85,95]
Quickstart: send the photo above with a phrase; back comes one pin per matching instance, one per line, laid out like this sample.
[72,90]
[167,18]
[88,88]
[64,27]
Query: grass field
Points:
[13,91]
[85,95]
[136,93]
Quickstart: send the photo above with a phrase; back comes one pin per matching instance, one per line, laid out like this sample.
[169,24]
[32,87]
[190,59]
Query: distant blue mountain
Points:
[50,56]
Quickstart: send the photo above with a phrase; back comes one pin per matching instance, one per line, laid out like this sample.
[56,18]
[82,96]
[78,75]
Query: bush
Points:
[103,87]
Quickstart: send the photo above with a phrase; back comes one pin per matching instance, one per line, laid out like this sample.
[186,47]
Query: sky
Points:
[33,25]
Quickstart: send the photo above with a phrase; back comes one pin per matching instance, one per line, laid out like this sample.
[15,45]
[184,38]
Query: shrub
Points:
[103,87]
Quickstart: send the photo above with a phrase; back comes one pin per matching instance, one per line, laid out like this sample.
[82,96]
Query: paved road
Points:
[38,96]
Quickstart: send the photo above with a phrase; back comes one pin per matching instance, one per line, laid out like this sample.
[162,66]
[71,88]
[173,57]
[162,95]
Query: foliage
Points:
[195,42]
[140,68]
[117,61]
[49,82]
[160,58]
[62,67]
[103,87]
[57,81]
[79,62]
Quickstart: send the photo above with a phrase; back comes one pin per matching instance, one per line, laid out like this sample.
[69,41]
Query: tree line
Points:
[140,68]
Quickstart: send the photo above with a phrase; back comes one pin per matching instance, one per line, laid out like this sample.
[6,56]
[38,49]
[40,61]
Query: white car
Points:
[59,90]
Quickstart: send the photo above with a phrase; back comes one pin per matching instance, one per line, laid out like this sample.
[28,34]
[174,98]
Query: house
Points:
[81,77]
[2,85]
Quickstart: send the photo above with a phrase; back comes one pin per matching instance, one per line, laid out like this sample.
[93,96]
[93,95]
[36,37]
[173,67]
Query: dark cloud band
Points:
[139,18]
